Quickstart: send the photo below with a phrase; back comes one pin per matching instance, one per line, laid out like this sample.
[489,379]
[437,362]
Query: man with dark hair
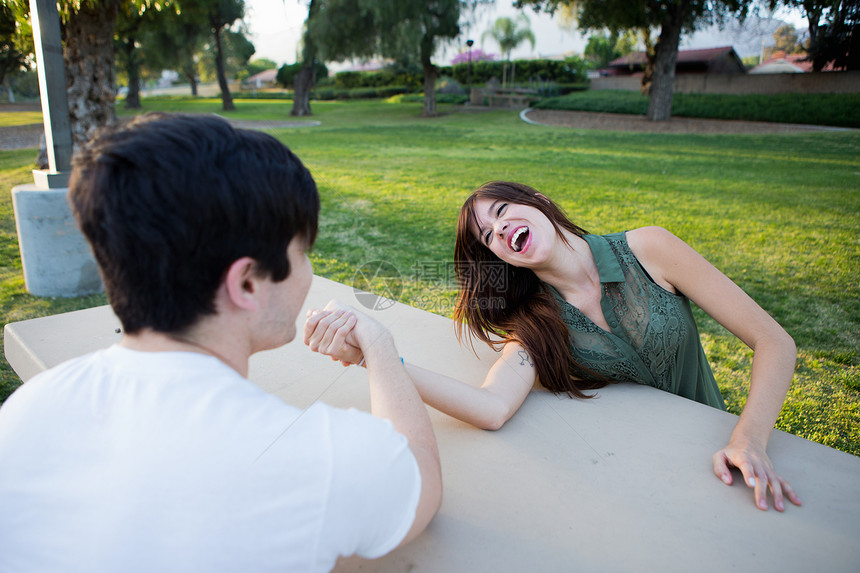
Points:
[157,454]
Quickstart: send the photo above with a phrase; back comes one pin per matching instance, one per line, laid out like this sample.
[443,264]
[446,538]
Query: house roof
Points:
[684,57]
[782,63]
[264,76]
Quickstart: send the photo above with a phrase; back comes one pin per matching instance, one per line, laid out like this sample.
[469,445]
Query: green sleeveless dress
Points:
[653,339]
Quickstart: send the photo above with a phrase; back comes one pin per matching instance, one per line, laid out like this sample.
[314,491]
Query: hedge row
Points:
[377,79]
[324,93]
[570,71]
[842,110]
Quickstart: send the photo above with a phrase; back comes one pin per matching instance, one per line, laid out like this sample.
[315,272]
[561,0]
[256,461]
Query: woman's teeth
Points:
[515,237]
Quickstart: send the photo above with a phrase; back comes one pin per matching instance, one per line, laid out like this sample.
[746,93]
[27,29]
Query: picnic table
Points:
[621,482]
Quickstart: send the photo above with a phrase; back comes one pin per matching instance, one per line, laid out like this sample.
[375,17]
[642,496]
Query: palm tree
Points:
[509,34]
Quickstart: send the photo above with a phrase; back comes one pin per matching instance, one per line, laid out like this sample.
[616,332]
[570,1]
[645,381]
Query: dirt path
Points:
[29,136]
[20,136]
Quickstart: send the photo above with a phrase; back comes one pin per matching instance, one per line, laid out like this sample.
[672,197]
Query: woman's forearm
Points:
[489,406]
[772,370]
[470,404]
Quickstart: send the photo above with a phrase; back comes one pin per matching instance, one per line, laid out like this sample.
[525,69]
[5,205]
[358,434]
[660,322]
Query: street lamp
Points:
[470,43]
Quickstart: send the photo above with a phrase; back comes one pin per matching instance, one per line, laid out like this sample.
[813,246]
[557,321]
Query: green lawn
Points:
[780,214]
[12,119]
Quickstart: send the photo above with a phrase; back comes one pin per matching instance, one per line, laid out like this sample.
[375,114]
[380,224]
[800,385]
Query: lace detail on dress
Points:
[648,329]
[596,352]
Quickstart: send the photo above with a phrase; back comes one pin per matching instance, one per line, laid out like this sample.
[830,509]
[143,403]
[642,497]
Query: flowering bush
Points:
[478,55]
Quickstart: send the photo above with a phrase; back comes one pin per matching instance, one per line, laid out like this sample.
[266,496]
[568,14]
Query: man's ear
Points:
[242,283]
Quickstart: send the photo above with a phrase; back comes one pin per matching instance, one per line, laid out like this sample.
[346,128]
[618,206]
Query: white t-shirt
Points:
[125,461]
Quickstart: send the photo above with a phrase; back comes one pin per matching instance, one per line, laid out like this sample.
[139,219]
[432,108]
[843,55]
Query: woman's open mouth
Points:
[518,239]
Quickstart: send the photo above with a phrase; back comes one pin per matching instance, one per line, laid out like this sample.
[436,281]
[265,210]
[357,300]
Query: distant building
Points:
[723,60]
[264,79]
[782,63]
[369,65]
[167,79]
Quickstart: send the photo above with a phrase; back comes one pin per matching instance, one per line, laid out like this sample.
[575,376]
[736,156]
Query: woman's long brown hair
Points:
[500,303]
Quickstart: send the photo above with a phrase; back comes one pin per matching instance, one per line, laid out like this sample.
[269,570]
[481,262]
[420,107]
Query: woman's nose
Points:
[499,226]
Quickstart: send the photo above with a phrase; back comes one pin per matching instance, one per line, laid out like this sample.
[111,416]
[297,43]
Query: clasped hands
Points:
[332,331]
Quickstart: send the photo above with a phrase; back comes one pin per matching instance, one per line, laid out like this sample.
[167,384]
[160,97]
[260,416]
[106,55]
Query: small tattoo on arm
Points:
[524,358]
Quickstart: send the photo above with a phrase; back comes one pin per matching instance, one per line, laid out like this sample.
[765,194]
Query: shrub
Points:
[385,77]
[255,94]
[456,99]
[288,72]
[571,70]
[446,85]
[358,93]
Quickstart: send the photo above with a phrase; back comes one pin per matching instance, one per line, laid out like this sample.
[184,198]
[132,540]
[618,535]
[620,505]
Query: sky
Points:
[275,29]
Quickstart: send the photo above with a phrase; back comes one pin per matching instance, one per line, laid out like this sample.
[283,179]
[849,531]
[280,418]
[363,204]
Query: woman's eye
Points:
[500,209]
[487,238]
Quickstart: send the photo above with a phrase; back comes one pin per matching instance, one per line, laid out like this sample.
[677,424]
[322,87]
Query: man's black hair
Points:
[168,202]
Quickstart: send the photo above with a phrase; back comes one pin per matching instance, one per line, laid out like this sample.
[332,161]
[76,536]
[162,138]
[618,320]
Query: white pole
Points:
[52,86]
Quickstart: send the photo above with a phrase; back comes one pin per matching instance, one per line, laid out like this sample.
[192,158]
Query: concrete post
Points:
[56,258]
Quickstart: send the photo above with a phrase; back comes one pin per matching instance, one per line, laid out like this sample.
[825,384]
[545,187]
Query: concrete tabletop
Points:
[622,482]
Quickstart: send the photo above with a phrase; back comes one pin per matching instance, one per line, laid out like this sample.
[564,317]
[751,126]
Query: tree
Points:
[305,79]
[839,39]
[174,40]
[88,53]
[220,15]
[834,31]
[89,60]
[474,56]
[236,52]
[432,22]
[604,47]
[784,40]
[671,17]
[131,19]
[13,56]
[509,34]
[343,29]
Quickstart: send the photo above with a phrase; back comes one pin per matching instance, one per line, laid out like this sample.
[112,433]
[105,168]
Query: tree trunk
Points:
[132,98]
[89,61]
[429,90]
[305,79]
[813,17]
[189,70]
[226,98]
[665,57]
[302,90]
[429,77]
